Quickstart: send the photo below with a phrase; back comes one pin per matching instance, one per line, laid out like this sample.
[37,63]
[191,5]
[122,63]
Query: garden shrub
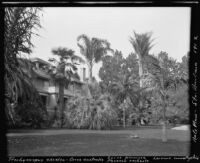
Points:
[30,114]
[86,113]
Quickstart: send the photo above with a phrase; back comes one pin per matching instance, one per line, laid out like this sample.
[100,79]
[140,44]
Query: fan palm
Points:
[62,72]
[93,50]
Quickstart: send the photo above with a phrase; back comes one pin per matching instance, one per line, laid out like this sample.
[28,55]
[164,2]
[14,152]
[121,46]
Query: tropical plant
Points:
[31,113]
[162,81]
[62,72]
[124,89]
[115,67]
[184,68]
[178,109]
[111,68]
[142,44]
[19,26]
[91,113]
[93,50]
[120,79]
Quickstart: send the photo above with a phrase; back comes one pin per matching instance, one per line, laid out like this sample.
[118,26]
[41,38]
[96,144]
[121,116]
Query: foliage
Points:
[94,112]
[115,68]
[91,113]
[64,68]
[93,50]
[184,68]
[163,79]
[111,69]
[19,26]
[31,114]
[141,44]
[178,110]
[94,89]
[120,79]
[167,86]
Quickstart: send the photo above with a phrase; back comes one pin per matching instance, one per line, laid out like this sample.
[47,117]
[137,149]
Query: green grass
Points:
[100,143]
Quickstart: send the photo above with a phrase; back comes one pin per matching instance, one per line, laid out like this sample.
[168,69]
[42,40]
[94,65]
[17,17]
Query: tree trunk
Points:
[61,103]
[141,71]
[9,112]
[124,118]
[164,134]
[90,73]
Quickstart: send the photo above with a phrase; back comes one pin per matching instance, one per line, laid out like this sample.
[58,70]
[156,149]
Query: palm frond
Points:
[86,46]
[142,43]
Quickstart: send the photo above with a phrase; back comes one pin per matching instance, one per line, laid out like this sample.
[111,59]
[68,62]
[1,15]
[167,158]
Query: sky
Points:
[62,25]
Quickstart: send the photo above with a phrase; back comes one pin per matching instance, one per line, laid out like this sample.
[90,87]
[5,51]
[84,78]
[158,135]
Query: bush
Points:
[31,115]
[85,113]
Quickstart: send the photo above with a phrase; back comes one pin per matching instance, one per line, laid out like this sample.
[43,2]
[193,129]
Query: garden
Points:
[130,111]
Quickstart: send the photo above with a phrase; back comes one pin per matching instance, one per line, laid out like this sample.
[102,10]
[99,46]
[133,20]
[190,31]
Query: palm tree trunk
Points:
[9,112]
[164,134]
[61,103]
[140,72]
[124,118]
[90,72]
[140,63]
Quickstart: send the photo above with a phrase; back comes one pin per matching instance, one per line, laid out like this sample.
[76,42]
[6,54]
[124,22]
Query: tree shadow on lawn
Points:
[94,145]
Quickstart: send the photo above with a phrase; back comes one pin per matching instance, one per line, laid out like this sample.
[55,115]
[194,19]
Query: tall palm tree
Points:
[142,44]
[62,73]
[93,50]
[19,23]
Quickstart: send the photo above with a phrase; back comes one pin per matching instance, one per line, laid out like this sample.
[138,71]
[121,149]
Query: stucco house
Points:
[48,89]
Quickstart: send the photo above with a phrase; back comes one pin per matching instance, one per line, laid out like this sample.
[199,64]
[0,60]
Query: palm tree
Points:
[124,89]
[19,23]
[142,44]
[159,81]
[62,73]
[93,50]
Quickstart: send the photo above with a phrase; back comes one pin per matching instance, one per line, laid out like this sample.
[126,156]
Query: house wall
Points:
[46,86]
[41,84]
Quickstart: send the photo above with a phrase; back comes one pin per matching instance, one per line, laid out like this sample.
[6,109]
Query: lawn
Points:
[99,143]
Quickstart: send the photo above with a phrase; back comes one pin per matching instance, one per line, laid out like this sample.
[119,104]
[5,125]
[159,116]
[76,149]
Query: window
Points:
[44,99]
